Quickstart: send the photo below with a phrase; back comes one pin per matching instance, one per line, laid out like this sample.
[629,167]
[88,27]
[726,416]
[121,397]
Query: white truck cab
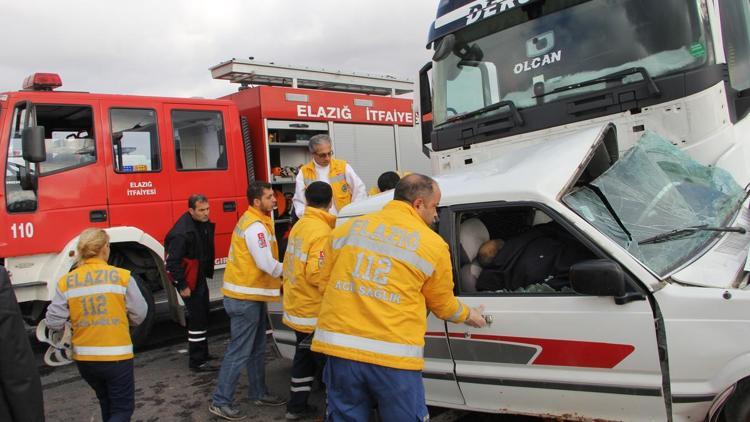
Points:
[645,322]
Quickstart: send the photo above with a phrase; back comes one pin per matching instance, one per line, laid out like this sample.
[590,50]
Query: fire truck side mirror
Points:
[28,179]
[32,142]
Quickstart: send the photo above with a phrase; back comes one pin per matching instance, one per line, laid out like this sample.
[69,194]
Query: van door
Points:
[203,161]
[438,375]
[71,193]
[548,349]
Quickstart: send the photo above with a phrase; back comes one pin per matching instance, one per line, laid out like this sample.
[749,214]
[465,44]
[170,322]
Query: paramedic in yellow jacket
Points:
[386,182]
[251,279]
[347,186]
[101,302]
[304,257]
[385,270]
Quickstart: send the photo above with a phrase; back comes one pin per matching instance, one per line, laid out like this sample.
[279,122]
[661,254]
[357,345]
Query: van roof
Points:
[537,170]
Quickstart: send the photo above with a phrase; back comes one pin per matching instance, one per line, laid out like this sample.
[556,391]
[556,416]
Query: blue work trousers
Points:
[114,385]
[354,388]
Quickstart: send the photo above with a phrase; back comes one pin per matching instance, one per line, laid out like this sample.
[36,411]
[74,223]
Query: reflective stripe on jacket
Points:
[243,280]
[385,270]
[342,191]
[305,255]
[95,293]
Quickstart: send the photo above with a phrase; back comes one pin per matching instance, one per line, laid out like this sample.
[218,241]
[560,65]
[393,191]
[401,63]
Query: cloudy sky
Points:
[165,47]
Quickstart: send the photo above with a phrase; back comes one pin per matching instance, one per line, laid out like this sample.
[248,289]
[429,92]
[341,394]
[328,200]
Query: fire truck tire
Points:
[139,333]
[737,408]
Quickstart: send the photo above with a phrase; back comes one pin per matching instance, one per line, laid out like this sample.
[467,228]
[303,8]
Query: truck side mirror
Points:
[425,107]
[32,144]
[444,47]
[598,277]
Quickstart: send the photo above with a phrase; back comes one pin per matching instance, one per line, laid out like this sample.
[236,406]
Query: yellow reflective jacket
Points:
[95,293]
[375,190]
[385,270]
[305,255]
[243,280]
[342,192]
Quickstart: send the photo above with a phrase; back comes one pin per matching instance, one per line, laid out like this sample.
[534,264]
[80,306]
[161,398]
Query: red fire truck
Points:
[128,163]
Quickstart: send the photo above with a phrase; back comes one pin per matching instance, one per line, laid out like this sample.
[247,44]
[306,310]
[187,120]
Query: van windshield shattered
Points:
[655,189]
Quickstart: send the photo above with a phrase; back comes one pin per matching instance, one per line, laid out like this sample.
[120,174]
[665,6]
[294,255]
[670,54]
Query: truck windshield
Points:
[524,54]
[653,189]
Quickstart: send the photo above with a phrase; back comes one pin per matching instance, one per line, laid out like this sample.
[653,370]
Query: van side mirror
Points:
[598,277]
[32,144]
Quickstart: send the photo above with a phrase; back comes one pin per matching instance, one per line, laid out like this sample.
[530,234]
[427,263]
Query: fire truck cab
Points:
[125,163]
[129,163]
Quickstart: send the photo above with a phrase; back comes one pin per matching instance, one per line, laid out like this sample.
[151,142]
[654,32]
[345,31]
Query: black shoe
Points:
[211,357]
[227,412]
[204,367]
[269,400]
[309,412]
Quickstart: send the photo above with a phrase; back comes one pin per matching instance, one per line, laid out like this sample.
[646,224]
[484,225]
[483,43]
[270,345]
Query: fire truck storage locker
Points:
[372,133]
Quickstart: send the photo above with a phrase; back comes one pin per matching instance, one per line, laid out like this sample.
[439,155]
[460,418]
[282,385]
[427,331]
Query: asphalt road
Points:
[167,391]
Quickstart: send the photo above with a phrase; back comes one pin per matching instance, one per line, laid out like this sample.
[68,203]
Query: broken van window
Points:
[654,188]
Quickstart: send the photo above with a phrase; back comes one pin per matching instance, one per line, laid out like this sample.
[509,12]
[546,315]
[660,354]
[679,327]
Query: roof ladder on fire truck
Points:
[251,72]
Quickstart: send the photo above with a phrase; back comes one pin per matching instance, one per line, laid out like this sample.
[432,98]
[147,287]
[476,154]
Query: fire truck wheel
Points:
[139,334]
[737,407]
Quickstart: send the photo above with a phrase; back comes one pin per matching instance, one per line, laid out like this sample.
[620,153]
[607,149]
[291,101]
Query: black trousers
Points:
[114,385]
[196,307]
[305,367]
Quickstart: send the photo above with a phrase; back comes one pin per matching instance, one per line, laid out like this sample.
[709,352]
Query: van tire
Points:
[139,334]
[737,408]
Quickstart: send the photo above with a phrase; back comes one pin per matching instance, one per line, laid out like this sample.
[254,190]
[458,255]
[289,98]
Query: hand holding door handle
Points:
[476,319]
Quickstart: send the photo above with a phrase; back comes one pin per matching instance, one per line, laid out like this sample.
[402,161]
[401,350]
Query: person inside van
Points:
[542,254]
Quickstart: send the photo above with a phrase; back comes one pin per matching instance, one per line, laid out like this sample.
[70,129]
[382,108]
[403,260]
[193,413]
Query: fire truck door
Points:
[206,157]
[137,178]
[71,190]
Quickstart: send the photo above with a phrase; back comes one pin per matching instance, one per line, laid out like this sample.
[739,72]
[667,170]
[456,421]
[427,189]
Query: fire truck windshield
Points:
[525,54]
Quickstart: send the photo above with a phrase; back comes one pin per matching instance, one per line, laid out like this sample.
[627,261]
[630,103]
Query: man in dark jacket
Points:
[20,388]
[543,254]
[190,245]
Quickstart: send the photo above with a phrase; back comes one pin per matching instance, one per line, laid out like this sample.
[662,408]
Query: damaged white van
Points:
[645,315]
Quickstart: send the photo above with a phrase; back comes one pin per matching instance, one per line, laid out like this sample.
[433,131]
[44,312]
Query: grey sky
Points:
[165,47]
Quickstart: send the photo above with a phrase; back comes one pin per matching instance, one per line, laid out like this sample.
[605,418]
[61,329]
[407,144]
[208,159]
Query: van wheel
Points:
[139,333]
[737,408]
